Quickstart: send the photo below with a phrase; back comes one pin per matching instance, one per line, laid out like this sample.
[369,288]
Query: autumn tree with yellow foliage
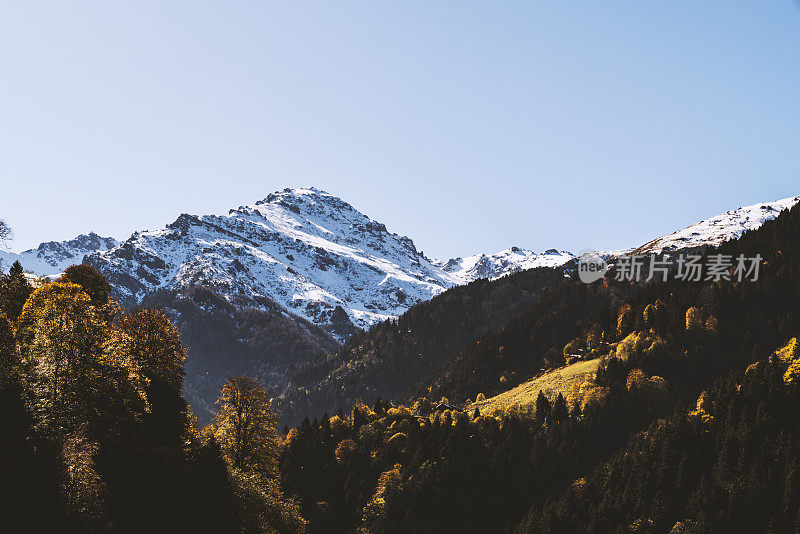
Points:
[149,338]
[790,353]
[71,370]
[245,425]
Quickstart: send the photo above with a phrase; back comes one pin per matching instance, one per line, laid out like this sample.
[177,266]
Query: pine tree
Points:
[560,410]
[542,407]
[93,283]
[14,291]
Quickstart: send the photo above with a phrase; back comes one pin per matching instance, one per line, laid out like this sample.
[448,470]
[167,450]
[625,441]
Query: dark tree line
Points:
[529,343]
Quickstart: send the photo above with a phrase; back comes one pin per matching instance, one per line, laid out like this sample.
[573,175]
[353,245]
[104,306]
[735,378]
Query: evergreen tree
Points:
[93,283]
[14,291]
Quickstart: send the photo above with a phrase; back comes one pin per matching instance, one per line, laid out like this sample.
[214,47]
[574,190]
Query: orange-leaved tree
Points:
[149,338]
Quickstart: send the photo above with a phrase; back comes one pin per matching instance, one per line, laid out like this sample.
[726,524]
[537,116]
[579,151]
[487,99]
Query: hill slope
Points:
[394,355]
[552,383]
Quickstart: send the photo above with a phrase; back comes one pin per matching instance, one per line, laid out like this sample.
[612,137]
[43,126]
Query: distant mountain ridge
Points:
[714,231]
[509,261]
[52,257]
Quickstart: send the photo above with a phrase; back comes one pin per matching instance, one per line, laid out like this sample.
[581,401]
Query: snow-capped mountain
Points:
[310,254]
[714,231]
[505,262]
[304,249]
[53,257]
[301,250]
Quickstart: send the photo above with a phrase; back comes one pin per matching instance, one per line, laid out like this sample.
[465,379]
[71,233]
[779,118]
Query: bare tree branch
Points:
[5,233]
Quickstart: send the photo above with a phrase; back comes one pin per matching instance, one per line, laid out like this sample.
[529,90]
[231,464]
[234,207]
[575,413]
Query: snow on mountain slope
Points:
[53,257]
[308,253]
[715,230]
[304,249]
[505,262]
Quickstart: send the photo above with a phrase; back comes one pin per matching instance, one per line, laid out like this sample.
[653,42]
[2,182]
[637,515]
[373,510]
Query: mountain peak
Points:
[303,248]
[297,196]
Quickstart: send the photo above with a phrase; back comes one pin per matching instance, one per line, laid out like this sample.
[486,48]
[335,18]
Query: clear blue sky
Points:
[469,126]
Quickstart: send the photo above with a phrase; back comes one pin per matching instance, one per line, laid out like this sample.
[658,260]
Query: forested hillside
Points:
[392,356]
[427,468]
[606,313]
[227,340]
[530,342]
[730,464]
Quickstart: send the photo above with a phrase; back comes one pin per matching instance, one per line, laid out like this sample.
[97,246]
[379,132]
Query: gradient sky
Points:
[468,126]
